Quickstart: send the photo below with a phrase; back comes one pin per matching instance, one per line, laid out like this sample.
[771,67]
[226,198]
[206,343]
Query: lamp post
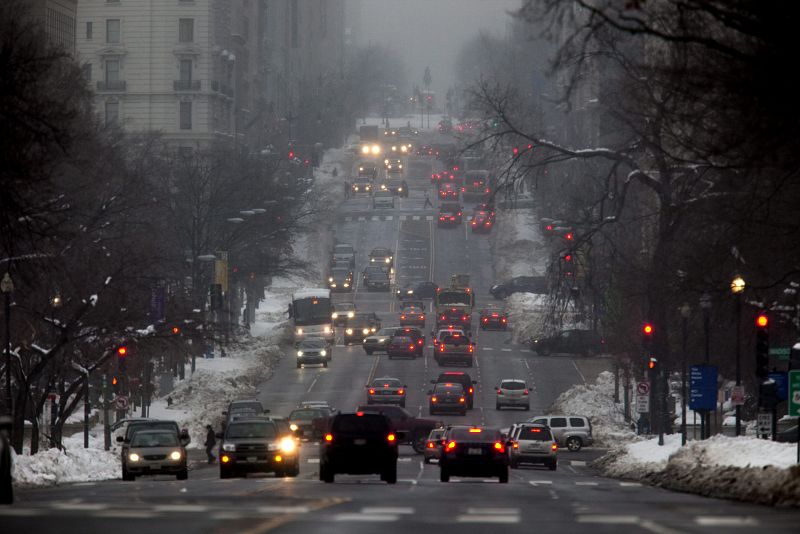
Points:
[705,304]
[737,287]
[7,287]
[685,311]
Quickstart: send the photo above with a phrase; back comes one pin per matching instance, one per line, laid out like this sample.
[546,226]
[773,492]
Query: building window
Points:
[186,115]
[186,70]
[185,30]
[295,25]
[112,31]
[89,31]
[112,113]
[112,70]
[87,71]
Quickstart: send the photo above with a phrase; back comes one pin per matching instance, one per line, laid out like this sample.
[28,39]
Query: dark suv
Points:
[360,326]
[415,429]
[520,284]
[447,397]
[359,444]
[585,342]
[473,452]
[460,378]
[257,444]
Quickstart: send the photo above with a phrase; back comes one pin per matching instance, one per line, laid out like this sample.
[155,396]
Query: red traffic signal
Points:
[652,363]
[762,321]
[569,236]
[176,330]
[647,329]
[122,351]
[516,151]
[113,380]
[291,154]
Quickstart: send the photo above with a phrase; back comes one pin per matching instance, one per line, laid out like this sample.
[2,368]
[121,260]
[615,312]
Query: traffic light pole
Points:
[106,426]
[738,360]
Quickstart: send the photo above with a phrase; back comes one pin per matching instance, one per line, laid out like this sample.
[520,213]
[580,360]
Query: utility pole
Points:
[426,80]
[106,425]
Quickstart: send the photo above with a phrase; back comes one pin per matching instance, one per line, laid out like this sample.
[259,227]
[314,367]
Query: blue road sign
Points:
[703,387]
[782,384]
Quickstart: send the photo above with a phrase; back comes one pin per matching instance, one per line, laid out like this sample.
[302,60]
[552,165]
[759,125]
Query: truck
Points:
[454,304]
[369,141]
[454,349]
[368,133]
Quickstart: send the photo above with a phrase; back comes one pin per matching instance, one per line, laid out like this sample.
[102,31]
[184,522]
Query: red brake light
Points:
[525,392]
[499,391]
[360,414]
[419,342]
[371,391]
[471,348]
[471,390]
[402,317]
[401,391]
[499,447]
[328,437]
[451,446]
[433,399]
[485,319]
[494,315]
[503,320]
[475,430]
[390,438]
[430,445]
[464,318]
[411,347]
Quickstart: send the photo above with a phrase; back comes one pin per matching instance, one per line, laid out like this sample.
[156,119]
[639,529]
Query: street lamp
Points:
[7,287]
[737,287]
[705,305]
[685,311]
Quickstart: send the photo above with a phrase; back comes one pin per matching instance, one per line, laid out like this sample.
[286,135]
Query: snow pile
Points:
[527,313]
[596,401]
[518,247]
[743,468]
[75,464]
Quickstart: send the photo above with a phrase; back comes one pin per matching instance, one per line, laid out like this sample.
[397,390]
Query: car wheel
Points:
[419,443]
[324,364]
[326,474]
[299,365]
[444,475]
[183,474]
[574,444]
[553,465]
[126,476]
[390,475]
[503,476]
[426,460]
[403,404]
[528,408]
[280,473]
[390,357]
[225,473]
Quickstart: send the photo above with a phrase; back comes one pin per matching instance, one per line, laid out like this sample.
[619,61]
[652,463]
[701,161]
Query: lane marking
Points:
[125,514]
[191,508]
[538,482]
[82,506]
[312,384]
[506,350]
[390,217]
[586,483]
[406,459]
[399,510]
[630,484]
[313,460]
[493,511]
[20,512]
[383,518]
[575,365]
[488,348]
[283,509]
[578,463]
[654,527]
[362,219]
[502,519]
[608,519]
[726,521]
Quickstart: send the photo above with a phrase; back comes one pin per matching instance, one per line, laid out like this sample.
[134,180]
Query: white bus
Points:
[310,312]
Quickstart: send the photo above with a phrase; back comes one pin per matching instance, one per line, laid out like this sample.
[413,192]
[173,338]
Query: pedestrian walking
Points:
[427,201]
[211,440]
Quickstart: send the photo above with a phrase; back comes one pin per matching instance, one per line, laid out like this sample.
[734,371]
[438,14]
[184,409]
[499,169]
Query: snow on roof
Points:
[312,292]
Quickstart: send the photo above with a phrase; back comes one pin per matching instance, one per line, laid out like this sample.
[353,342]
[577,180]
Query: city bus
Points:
[310,314]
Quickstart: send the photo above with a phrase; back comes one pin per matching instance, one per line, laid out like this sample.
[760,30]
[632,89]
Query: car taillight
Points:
[516,445]
[494,315]
[431,445]
[474,223]
[471,348]
[461,399]
[434,399]
[503,320]
[444,318]
[499,447]
[421,316]
[554,447]
[464,318]
[525,392]
[391,438]
[485,319]
[471,390]
[420,341]
[400,391]
[328,438]
[499,391]
[463,189]
[451,446]
[372,392]
[411,347]
[441,218]
[402,317]
[441,348]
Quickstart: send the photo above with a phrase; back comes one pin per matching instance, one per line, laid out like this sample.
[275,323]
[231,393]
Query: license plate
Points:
[359,441]
[252,459]
[476,452]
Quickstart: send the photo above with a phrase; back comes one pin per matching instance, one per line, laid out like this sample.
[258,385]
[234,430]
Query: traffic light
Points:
[568,263]
[291,154]
[762,347]
[122,352]
[652,363]
[647,338]
[516,151]
[176,330]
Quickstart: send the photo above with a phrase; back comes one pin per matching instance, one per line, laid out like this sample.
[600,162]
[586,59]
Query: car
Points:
[476,182]
[454,349]
[402,347]
[361,184]
[310,421]
[386,390]
[433,447]
[447,397]
[462,378]
[415,429]
[313,350]
[141,425]
[342,311]
[416,335]
[493,318]
[382,256]
[376,280]
[481,222]
[344,252]
[367,169]
[244,407]
[316,404]
[440,334]
[448,191]
[393,165]
[520,284]
[341,279]
[359,443]
[512,392]
[155,452]
[450,214]
[571,431]
[426,290]
[382,199]
[532,444]
[379,341]
[473,452]
[360,326]
[397,187]
[488,207]
[573,341]
[457,317]
[257,445]
[412,316]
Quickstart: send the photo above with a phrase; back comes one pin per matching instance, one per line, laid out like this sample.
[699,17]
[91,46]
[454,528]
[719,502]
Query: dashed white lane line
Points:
[312,384]
[20,512]
[382,518]
[362,219]
[608,519]
[488,348]
[630,484]
[578,463]
[726,521]
[539,482]
[399,510]
[406,459]
[81,506]
[493,511]
[284,509]
[587,483]
[506,350]
[498,519]
[415,218]
[125,514]
[189,508]
[313,460]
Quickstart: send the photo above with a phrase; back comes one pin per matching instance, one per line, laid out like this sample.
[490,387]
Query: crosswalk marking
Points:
[415,218]
[361,219]
[403,217]
[376,218]
[506,350]
[586,483]
[488,348]
[578,463]
[429,218]
[726,521]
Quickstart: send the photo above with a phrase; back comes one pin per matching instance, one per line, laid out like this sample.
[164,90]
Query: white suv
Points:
[512,392]
[570,431]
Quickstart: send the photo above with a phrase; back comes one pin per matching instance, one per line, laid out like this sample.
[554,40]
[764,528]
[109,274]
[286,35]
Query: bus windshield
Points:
[312,310]
[454,297]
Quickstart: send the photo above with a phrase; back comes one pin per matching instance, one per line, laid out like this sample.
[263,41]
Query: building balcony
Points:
[218,87]
[186,85]
[111,86]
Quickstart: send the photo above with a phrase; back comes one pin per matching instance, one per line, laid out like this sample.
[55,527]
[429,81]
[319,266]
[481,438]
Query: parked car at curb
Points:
[571,431]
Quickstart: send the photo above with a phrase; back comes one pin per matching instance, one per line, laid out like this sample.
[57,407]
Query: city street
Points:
[570,499]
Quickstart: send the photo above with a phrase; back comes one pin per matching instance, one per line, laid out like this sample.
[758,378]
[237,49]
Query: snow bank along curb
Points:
[743,468]
[518,249]
[76,464]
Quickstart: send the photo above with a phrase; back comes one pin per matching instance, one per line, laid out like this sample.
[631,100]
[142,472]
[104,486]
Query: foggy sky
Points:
[431,32]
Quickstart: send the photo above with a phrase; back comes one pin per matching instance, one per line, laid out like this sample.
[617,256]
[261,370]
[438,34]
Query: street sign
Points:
[643,388]
[781,384]
[764,423]
[737,395]
[642,403]
[781,353]
[121,402]
[794,394]
[703,388]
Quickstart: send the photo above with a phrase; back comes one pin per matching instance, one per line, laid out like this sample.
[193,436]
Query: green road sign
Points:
[794,394]
[782,353]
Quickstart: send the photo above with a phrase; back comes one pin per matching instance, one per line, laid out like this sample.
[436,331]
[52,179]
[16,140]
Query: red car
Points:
[450,214]
[494,319]
[482,222]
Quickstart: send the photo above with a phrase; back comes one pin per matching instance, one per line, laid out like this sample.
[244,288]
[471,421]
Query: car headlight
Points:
[382,340]
[323,352]
[349,331]
[133,457]
[288,445]
[330,279]
[400,166]
[299,331]
[334,315]
[365,331]
[299,353]
[333,284]
[365,149]
[404,148]
[228,447]
[361,169]
[400,189]
[293,427]
[350,315]
[346,284]
[327,330]
[376,149]
[372,260]
[175,455]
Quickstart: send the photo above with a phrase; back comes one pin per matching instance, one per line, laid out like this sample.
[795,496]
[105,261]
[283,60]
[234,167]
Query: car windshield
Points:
[312,344]
[360,425]
[305,415]
[386,383]
[133,428]
[533,433]
[512,385]
[251,430]
[450,387]
[340,273]
[344,306]
[154,439]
